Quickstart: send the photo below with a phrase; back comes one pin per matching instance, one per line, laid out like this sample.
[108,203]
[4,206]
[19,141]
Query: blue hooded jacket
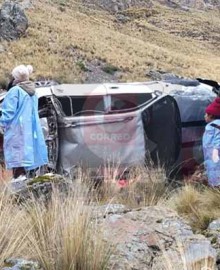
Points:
[24,143]
[211,141]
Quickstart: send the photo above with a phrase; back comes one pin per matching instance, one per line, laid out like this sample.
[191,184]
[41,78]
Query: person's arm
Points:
[9,107]
[216,146]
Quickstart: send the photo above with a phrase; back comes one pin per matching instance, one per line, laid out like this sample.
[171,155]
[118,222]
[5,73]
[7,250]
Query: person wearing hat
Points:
[211,143]
[24,145]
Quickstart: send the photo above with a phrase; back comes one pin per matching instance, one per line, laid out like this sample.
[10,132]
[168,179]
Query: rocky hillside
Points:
[99,41]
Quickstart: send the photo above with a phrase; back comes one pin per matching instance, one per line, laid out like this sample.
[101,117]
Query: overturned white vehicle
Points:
[98,124]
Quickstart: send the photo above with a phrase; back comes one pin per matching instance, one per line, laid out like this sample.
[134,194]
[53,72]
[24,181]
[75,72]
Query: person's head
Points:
[209,117]
[22,73]
[212,112]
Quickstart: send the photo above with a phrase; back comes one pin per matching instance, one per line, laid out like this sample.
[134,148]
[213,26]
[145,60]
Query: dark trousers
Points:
[21,171]
[18,171]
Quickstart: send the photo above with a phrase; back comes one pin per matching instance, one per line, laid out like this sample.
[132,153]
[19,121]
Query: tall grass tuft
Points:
[13,229]
[60,234]
[200,205]
[140,186]
[64,234]
[186,200]
[148,186]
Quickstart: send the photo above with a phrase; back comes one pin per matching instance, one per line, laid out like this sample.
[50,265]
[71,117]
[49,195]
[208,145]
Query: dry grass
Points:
[64,234]
[200,205]
[60,235]
[186,43]
[13,228]
[5,175]
[136,187]
[186,259]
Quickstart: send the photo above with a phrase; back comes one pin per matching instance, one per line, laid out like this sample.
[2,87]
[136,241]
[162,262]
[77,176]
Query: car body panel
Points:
[117,135]
[101,140]
[96,124]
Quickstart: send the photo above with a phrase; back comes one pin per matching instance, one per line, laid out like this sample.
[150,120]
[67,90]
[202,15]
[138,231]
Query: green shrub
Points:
[82,66]
[110,69]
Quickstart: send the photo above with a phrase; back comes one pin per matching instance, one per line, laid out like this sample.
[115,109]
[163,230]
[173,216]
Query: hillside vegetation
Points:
[63,36]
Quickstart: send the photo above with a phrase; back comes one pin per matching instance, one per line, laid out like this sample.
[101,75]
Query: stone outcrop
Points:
[13,21]
[195,4]
[146,238]
[40,187]
[114,6]
[154,238]
[213,233]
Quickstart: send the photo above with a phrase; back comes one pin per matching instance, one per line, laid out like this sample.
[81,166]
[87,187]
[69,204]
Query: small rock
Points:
[26,4]
[122,18]
[158,75]
[2,48]
[198,251]
[214,225]
[21,264]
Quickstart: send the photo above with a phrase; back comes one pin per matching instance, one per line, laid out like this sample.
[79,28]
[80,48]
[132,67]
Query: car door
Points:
[162,126]
[93,133]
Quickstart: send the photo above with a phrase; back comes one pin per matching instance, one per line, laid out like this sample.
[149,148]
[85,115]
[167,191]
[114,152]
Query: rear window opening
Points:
[93,105]
[78,105]
[128,101]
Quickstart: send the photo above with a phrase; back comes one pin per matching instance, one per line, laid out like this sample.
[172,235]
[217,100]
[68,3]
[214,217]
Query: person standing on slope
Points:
[211,143]
[24,145]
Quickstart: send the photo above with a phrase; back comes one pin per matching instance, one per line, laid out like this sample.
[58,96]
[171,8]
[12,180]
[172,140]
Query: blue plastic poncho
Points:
[211,147]
[24,144]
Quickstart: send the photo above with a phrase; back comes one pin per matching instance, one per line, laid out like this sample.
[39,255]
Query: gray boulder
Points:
[13,21]
[155,238]
[41,187]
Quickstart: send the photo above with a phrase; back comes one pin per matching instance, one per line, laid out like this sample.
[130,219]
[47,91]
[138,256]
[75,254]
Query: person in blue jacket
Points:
[24,144]
[211,143]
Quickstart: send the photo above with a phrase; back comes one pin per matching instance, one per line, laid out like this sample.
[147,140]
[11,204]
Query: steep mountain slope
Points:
[65,39]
